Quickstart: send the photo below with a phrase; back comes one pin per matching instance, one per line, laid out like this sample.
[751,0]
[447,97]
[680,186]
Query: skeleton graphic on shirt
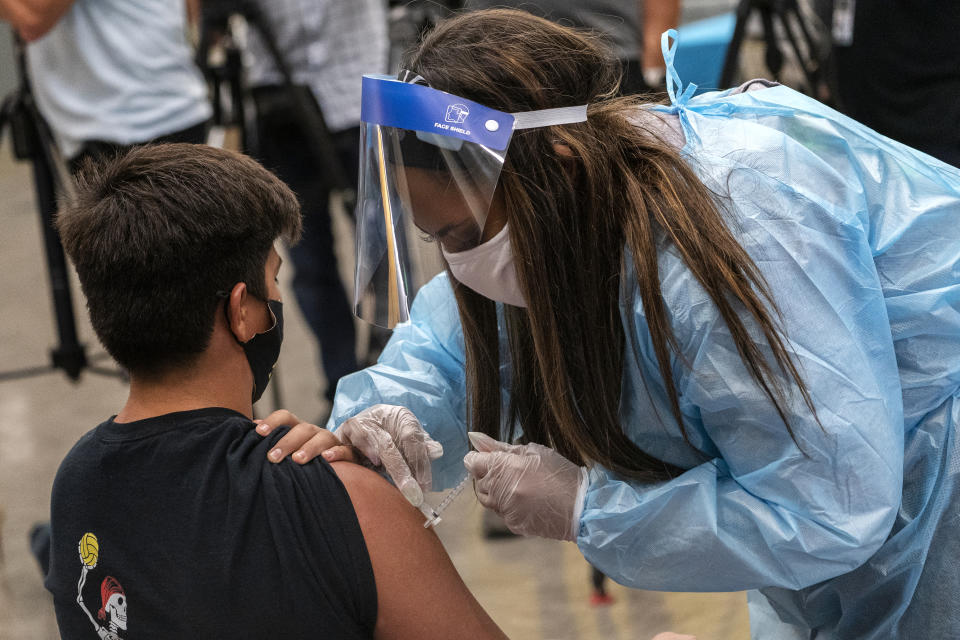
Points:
[113,600]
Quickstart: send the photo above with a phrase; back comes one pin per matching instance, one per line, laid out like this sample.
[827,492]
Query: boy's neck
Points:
[201,385]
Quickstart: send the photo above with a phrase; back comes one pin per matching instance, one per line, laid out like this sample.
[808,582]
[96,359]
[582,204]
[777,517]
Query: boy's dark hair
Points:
[156,232]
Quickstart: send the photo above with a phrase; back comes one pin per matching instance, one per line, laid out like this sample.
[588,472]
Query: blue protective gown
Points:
[858,238]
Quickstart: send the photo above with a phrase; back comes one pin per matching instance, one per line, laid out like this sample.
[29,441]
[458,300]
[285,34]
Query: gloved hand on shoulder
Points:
[392,438]
[387,438]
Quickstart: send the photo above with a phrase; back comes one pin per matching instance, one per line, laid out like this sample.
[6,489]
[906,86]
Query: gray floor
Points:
[532,588]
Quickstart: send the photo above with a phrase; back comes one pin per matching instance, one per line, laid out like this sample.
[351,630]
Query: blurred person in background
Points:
[898,70]
[107,74]
[327,46]
[632,27]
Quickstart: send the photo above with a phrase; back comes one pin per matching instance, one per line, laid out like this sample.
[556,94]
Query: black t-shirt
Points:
[184,516]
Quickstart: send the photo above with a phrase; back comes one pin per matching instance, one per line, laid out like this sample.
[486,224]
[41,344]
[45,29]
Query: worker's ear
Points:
[567,158]
[562,150]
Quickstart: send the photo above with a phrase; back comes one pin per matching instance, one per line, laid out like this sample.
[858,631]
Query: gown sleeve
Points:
[421,368]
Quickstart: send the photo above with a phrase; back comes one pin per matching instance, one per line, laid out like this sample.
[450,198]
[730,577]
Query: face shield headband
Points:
[431,161]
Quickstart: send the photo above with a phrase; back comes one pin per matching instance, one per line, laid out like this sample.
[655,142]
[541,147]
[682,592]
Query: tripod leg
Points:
[69,354]
[234,69]
[732,60]
[773,56]
[801,60]
[807,60]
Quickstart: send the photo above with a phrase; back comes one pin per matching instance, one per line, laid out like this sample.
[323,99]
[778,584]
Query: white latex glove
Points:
[393,440]
[535,490]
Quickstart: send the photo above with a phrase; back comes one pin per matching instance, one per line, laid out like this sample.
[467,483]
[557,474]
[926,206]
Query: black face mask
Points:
[263,349]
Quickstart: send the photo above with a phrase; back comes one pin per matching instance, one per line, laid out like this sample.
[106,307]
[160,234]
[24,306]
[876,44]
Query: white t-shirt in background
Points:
[117,71]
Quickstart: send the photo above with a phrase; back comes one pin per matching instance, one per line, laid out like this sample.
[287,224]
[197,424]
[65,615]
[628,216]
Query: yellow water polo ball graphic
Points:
[89,550]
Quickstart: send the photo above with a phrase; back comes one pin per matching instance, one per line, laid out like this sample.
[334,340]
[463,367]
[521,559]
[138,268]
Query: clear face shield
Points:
[429,161]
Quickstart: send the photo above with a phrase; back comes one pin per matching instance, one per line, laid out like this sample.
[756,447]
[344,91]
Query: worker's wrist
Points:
[578,504]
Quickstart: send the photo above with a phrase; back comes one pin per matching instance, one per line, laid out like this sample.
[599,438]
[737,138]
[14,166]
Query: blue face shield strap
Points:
[522,119]
[410,105]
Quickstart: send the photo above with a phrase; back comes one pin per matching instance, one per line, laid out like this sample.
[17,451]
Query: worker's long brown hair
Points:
[570,221]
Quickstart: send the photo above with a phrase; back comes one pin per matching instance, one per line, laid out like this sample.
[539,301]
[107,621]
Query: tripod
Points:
[811,52]
[33,141]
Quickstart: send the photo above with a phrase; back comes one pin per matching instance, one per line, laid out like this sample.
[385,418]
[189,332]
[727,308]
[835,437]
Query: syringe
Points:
[433,514]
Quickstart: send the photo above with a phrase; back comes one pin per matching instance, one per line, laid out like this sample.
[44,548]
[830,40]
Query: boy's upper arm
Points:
[420,594]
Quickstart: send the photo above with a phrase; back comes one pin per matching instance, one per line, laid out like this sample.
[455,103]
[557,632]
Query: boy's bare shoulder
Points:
[374,497]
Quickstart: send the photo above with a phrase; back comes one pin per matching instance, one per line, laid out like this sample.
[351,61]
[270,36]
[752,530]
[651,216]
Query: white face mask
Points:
[489,270]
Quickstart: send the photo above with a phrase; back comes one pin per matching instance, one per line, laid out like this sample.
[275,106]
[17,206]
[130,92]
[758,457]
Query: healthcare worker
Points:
[721,335]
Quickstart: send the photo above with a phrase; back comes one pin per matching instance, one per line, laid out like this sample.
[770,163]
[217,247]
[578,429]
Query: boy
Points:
[167,519]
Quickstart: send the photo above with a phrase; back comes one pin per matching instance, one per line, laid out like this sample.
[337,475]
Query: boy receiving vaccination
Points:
[167,519]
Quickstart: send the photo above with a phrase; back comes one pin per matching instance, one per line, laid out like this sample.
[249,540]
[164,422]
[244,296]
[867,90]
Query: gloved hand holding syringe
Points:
[393,440]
